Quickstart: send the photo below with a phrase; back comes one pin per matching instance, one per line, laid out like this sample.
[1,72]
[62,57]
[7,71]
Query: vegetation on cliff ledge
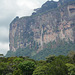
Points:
[52,48]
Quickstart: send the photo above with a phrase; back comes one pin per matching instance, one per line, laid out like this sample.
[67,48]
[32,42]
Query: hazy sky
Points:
[9,9]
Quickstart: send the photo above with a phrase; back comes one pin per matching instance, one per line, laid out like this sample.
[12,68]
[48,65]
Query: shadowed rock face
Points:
[43,28]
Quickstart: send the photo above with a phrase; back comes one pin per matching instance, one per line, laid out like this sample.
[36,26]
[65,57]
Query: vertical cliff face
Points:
[36,30]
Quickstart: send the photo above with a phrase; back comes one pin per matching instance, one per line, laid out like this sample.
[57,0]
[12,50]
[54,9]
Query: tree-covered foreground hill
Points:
[52,65]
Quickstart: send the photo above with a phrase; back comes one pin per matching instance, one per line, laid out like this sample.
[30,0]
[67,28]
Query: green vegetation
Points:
[10,53]
[52,48]
[55,48]
[52,65]
[47,6]
[53,7]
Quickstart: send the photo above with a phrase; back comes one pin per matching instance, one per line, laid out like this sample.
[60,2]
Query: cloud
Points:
[26,7]
[4,47]
[4,33]
[30,4]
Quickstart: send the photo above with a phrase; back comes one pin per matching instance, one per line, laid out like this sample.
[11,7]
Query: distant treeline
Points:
[52,65]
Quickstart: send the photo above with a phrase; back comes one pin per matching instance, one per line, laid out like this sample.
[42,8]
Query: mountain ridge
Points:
[29,35]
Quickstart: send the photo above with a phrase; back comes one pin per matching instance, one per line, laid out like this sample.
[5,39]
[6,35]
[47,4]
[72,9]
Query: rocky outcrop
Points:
[40,29]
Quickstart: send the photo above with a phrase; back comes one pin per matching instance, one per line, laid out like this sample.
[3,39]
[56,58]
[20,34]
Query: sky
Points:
[9,9]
